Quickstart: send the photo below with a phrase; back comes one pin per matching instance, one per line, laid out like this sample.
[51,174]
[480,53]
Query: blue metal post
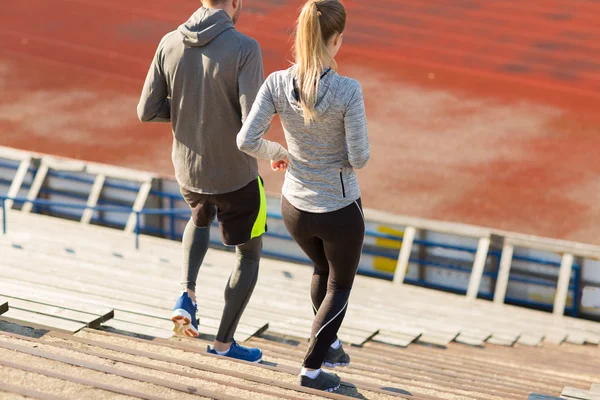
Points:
[171,207]
[137,230]
[4,215]
[576,291]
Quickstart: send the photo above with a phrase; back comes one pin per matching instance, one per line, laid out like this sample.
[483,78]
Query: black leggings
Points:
[333,241]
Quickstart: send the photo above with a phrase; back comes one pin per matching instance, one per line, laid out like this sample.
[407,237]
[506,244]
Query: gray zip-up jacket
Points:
[323,155]
[204,79]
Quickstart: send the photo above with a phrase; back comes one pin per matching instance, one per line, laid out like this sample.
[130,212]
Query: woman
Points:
[325,127]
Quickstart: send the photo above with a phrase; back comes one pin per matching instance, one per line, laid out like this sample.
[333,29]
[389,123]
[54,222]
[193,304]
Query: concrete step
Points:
[283,374]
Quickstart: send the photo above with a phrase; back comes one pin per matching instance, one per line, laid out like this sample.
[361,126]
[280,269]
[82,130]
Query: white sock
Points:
[310,374]
[222,353]
[336,345]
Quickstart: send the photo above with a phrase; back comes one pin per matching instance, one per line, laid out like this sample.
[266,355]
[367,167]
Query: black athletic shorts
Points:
[242,214]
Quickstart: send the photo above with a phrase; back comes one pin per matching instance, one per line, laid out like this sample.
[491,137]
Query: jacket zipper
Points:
[342,182]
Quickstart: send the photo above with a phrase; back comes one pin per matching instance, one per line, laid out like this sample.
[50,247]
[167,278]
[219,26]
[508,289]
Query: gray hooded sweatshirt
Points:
[203,80]
[323,155]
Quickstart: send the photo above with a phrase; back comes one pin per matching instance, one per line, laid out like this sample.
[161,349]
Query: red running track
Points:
[479,112]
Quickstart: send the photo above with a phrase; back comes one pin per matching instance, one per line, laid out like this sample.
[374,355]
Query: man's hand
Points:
[280,165]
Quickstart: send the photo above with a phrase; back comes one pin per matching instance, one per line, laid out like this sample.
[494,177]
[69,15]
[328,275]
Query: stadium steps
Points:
[63,263]
[45,312]
[102,364]
[409,342]
[494,370]
[581,394]
[160,368]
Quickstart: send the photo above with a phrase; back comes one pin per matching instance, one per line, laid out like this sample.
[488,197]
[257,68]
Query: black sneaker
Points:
[336,358]
[324,381]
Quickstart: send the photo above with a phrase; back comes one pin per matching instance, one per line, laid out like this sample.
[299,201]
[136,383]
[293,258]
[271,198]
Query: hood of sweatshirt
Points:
[328,87]
[205,25]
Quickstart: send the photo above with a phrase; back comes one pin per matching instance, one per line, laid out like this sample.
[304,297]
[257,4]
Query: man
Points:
[203,80]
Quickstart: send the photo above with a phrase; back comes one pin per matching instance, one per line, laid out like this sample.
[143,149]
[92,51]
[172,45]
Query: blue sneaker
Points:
[241,353]
[184,317]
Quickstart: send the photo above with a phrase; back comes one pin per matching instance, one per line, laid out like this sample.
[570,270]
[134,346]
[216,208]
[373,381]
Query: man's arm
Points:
[251,78]
[155,105]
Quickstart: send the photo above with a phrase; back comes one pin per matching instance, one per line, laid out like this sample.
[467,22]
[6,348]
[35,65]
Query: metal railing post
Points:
[576,288]
[503,273]
[4,216]
[137,230]
[562,287]
[172,217]
[478,266]
[404,255]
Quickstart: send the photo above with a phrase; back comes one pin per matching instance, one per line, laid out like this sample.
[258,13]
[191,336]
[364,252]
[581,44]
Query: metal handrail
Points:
[407,239]
[123,210]
[175,212]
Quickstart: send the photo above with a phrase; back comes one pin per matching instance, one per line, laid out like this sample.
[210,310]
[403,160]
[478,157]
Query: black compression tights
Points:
[241,282]
[333,241]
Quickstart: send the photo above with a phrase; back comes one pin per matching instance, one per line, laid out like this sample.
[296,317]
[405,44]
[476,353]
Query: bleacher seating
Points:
[101,364]
[62,279]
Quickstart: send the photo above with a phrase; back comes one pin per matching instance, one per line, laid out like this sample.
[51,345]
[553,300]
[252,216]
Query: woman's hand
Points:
[280,165]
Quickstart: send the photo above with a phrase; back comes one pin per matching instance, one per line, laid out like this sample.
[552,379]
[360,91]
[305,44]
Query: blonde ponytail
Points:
[319,20]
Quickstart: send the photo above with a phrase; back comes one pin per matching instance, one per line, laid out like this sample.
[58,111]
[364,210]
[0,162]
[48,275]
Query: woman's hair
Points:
[319,20]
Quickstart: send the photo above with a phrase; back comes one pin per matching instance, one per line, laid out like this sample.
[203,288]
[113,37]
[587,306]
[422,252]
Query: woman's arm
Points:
[357,138]
[250,140]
